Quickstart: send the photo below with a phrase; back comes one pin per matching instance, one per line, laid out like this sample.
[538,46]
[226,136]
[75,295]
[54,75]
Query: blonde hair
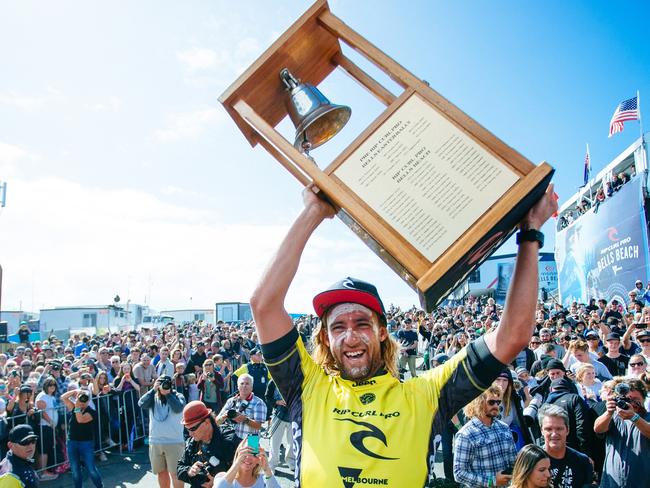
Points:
[580,374]
[322,354]
[476,407]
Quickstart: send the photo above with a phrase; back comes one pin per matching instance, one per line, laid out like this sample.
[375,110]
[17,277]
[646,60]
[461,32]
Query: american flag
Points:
[626,110]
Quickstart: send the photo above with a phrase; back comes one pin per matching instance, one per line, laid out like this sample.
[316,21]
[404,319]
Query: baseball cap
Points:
[613,337]
[349,290]
[591,334]
[441,358]
[22,433]
[521,370]
[194,412]
[255,350]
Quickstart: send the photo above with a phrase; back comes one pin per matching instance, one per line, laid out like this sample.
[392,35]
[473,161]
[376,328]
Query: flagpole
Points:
[591,197]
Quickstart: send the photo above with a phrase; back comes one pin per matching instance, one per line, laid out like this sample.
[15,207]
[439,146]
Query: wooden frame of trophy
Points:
[428,189]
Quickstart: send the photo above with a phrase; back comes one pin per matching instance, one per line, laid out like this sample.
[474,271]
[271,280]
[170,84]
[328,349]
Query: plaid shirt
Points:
[482,451]
[256,410]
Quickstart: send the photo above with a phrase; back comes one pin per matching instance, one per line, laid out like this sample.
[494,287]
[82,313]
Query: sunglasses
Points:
[492,403]
[195,427]
[27,442]
[644,340]
[533,343]
[636,364]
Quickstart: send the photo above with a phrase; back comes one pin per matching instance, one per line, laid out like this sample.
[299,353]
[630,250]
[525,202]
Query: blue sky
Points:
[125,175]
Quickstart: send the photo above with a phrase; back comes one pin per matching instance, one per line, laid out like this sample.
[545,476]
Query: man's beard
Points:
[360,372]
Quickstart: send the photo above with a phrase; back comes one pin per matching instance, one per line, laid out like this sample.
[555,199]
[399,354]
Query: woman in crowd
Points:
[46,403]
[532,468]
[81,429]
[588,385]
[127,388]
[20,409]
[101,390]
[637,365]
[248,470]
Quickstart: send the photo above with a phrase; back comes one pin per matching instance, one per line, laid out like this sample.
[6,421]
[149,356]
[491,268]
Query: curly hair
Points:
[476,407]
[322,354]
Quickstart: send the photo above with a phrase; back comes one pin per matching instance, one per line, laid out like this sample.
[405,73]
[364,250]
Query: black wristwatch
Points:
[530,235]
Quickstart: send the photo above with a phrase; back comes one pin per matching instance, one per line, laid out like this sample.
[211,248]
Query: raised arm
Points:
[518,320]
[271,319]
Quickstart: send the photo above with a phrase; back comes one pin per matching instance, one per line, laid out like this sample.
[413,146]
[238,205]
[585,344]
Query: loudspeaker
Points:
[3,331]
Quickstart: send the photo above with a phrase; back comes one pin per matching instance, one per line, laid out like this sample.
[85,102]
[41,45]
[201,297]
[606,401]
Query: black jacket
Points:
[581,421]
[222,446]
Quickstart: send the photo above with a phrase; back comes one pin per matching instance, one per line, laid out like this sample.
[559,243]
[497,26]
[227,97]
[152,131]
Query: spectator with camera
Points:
[166,442]
[626,426]
[244,409]
[18,462]
[208,449]
[81,430]
[210,385]
[569,468]
[20,408]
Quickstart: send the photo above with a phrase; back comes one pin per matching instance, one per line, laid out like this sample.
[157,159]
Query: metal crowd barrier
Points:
[120,425]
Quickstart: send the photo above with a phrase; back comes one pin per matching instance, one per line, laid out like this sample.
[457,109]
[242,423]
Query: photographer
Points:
[210,385]
[627,435]
[165,430]
[207,450]
[245,409]
[81,430]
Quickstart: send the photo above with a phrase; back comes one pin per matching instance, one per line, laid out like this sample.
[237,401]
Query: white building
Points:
[191,315]
[15,317]
[61,321]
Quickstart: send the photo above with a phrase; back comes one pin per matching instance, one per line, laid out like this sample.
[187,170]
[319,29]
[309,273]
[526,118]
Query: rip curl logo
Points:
[367,398]
[357,439]
[352,476]
[347,283]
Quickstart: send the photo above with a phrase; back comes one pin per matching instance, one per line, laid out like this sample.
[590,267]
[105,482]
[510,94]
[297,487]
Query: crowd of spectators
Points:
[606,190]
[578,391]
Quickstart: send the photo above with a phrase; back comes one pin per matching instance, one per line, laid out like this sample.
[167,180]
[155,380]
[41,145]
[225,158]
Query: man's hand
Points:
[542,210]
[195,469]
[317,204]
[239,418]
[611,403]
[282,403]
[625,413]
[502,479]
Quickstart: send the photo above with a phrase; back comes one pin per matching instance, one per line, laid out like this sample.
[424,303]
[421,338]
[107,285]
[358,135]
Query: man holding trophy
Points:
[353,421]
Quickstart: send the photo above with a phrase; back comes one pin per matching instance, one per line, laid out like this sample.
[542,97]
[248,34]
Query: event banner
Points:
[603,252]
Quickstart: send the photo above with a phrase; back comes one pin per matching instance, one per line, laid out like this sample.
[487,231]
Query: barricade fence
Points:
[120,424]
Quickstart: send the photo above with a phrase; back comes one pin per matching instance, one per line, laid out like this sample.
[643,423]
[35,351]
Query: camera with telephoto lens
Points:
[621,390]
[166,384]
[232,413]
[83,397]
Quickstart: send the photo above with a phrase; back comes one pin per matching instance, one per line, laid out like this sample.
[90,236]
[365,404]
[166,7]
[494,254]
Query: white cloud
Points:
[80,245]
[31,102]
[10,155]
[200,58]
[188,125]
[111,104]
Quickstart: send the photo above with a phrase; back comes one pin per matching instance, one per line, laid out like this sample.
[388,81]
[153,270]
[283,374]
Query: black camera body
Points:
[621,390]
[232,413]
[166,384]
[83,398]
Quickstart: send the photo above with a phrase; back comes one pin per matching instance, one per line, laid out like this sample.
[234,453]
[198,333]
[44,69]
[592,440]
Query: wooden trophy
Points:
[428,189]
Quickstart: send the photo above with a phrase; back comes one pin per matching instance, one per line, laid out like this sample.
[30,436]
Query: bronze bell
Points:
[315,118]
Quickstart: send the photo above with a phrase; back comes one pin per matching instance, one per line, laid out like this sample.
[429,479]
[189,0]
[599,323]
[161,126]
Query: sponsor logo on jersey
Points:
[367,398]
[357,384]
[357,438]
[352,476]
[366,413]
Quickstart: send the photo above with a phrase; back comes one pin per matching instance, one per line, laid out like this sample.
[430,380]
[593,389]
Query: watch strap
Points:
[530,235]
